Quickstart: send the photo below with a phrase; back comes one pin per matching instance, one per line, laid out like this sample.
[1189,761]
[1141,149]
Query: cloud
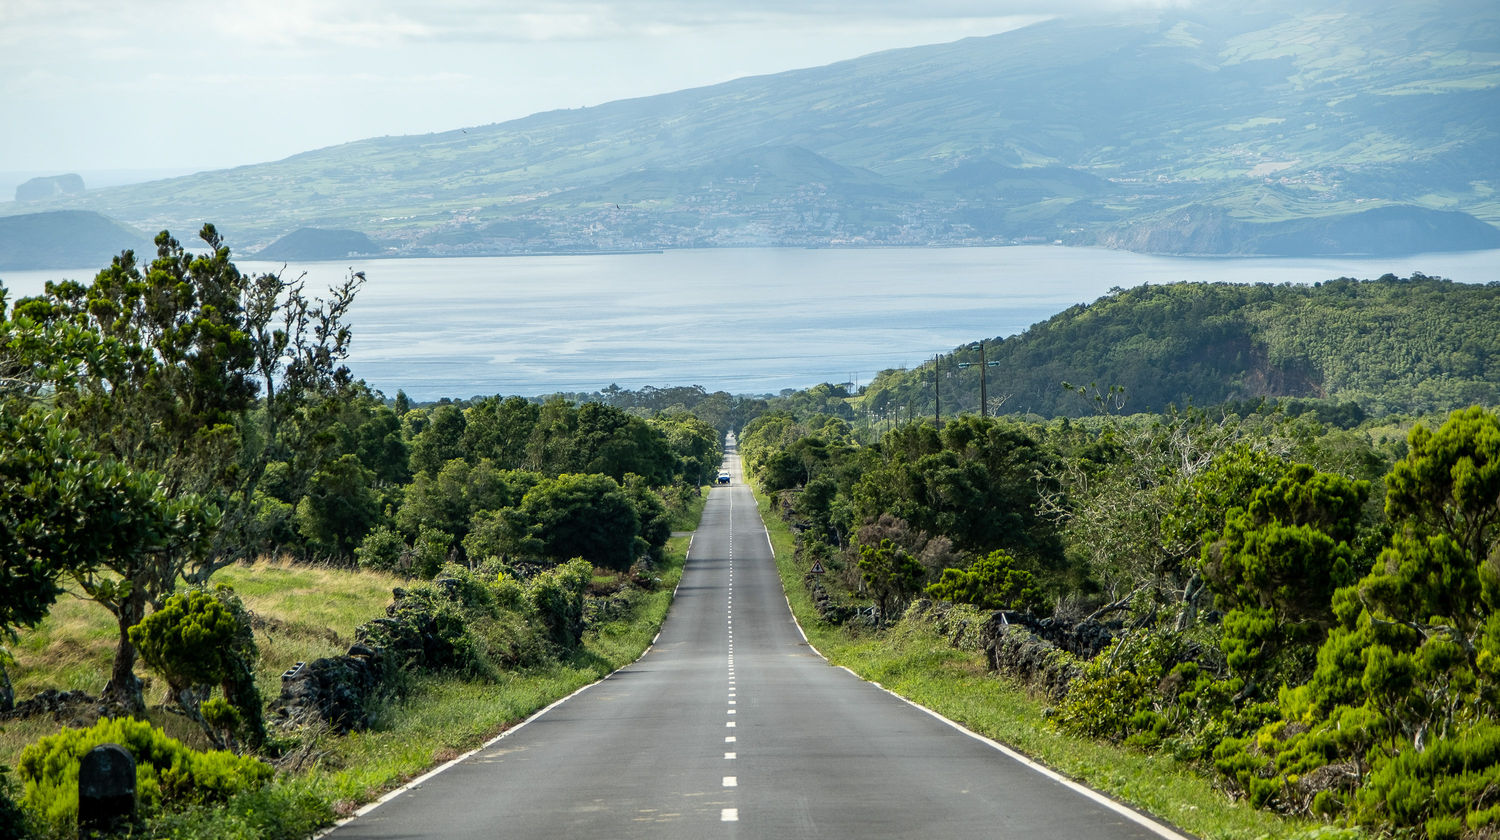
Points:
[367,24]
[336,70]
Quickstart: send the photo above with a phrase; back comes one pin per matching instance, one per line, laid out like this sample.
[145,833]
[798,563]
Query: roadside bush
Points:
[992,582]
[428,630]
[169,774]
[382,549]
[1152,691]
[198,640]
[557,596]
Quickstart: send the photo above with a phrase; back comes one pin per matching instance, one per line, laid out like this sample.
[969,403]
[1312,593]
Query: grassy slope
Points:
[926,669]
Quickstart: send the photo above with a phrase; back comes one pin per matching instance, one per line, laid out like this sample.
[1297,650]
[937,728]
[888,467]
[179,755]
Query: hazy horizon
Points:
[260,81]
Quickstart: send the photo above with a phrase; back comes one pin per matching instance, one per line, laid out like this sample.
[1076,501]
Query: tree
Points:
[167,387]
[1450,481]
[656,522]
[892,574]
[975,483]
[695,443]
[1409,676]
[1278,563]
[64,510]
[450,499]
[148,541]
[500,430]
[610,442]
[340,507]
[199,640]
[991,583]
[440,441]
[1138,498]
[586,516]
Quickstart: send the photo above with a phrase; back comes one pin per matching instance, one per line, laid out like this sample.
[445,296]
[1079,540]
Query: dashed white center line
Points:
[729,725]
[729,815]
[731,781]
[729,755]
[729,739]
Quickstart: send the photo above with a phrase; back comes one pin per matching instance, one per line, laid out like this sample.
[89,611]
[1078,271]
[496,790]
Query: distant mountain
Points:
[316,244]
[1382,232]
[50,186]
[1412,345]
[66,239]
[1276,125]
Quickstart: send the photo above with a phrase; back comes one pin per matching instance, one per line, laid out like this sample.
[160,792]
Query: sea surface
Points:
[748,321]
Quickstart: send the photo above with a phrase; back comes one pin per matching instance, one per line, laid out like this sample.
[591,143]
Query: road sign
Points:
[817,568]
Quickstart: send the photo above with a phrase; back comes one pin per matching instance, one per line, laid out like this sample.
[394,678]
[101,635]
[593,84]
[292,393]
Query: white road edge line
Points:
[367,808]
[1084,790]
[441,767]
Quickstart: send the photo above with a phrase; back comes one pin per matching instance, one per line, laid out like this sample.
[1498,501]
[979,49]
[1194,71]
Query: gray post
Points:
[106,789]
[984,397]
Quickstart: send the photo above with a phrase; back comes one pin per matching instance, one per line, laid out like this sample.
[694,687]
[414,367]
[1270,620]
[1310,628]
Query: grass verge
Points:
[925,668]
[439,718]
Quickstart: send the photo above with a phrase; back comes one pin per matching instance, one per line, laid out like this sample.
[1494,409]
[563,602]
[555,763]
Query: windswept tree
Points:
[63,510]
[190,378]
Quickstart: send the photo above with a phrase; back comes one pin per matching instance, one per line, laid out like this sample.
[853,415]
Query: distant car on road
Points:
[723,478]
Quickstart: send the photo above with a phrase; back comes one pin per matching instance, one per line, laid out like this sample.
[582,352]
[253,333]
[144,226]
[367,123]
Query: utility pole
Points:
[937,397]
[984,393]
[984,397]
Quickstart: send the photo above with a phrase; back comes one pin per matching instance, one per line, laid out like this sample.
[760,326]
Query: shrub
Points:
[200,639]
[169,775]
[992,582]
[382,549]
[431,550]
[557,596]
[16,821]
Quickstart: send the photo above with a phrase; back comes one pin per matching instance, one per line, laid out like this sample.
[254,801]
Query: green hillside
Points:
[1420,344]
[64,239]
[1088,130]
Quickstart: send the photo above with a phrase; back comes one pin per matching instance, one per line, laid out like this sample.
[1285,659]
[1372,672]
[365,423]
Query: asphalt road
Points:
[732,726]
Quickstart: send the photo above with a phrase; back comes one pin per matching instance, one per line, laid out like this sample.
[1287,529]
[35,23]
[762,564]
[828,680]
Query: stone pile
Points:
[71,706]
[1046,654]
[339,690]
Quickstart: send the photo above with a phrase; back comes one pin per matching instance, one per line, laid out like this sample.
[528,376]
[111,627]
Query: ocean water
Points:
[740,320]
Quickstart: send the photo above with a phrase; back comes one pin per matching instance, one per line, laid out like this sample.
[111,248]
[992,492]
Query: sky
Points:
[183,85]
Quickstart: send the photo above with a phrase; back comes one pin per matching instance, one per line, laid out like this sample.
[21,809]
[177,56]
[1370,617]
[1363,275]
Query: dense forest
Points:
[1417,344]
[1305,612]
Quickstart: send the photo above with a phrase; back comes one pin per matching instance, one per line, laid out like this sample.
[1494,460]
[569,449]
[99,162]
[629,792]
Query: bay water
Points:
[747,321]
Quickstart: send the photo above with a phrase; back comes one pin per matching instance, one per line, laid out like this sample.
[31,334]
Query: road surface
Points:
[732,726]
